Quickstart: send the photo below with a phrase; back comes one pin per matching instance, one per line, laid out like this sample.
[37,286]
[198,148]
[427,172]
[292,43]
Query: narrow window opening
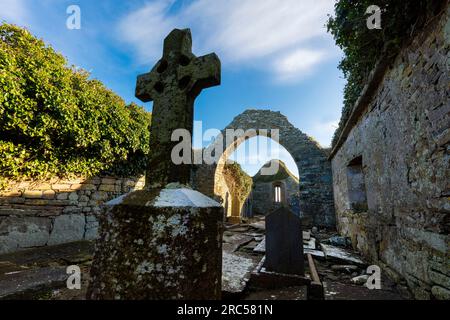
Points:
[357,186]
[277,194]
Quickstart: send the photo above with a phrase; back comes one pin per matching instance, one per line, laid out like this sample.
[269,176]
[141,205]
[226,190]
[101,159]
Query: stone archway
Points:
[316,190]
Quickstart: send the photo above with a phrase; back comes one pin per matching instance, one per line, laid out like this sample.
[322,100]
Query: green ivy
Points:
[56,121]
[362,47]
[237,180]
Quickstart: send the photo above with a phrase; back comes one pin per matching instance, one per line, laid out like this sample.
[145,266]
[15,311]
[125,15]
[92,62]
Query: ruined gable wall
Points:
[403,138]
[263,196]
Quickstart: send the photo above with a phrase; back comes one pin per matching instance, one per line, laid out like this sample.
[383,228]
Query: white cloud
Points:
[323,132]
[146,28]
[298,63]
[13,11]
[284,36]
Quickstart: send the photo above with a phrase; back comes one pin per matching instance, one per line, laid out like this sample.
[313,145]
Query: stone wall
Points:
[218,187]
[38,213]
[402,141]
[263,196]
[41,213]
[224,195]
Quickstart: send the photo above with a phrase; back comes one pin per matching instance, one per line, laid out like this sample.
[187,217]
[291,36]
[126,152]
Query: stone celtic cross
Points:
[173,84]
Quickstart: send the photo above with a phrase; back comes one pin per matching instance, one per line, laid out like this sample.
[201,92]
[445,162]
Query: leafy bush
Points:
[55,121]
[362,47]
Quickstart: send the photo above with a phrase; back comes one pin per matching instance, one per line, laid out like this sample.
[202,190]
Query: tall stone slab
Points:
[284,243]
[164,242]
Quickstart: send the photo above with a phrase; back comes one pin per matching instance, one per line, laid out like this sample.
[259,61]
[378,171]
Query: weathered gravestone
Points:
[173,85]
[284,243]
[164,242]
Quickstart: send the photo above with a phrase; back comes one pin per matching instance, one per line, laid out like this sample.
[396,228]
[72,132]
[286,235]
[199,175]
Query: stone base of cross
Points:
[162,244]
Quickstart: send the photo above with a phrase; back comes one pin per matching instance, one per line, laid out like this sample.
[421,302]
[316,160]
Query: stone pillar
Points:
[159,244]
[235,210]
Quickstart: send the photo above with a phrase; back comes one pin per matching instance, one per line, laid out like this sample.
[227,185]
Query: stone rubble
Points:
[360,279]
[340,254]
[237,265]
[235,272]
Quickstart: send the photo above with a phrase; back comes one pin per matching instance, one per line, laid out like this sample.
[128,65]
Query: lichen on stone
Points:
[144,267]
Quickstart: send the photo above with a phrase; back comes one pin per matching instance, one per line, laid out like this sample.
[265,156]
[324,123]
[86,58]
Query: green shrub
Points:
[239,182]
[56,121]
[363,47]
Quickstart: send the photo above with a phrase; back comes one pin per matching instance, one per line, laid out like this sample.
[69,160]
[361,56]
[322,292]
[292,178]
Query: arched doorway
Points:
[316,191]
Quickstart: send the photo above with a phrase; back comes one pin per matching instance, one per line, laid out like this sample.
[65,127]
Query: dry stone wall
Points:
[40,213]
[402,141]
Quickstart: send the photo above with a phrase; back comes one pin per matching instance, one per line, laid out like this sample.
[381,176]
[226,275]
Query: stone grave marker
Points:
[164,242]
[284,244]
[172,85]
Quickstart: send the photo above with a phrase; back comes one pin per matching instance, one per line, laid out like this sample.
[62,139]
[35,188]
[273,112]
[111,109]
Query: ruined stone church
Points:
[385,185]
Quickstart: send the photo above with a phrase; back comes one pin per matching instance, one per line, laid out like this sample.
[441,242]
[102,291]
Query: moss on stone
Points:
[237,180]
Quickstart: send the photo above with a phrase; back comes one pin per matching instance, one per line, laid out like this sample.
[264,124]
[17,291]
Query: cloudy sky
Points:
[276,54]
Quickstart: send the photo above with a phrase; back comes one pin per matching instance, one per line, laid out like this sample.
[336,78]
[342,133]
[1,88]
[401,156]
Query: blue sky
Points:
[276,54]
